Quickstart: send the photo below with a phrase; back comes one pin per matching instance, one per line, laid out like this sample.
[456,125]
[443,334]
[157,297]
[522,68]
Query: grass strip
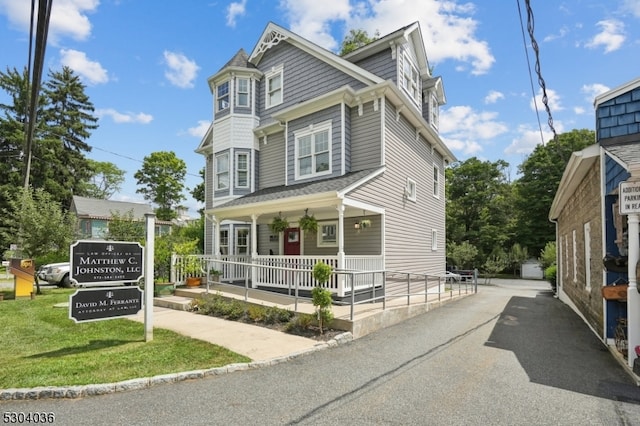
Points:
[41,346]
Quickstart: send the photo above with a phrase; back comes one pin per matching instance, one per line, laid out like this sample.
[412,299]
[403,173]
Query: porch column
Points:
[633,297]
[254,250]
[341,262]
[215,235]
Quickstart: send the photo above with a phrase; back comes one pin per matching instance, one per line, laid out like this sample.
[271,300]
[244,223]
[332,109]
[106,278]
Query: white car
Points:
[452,277]
[56,273]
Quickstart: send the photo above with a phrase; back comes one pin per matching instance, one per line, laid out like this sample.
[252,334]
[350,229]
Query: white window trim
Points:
[218,173]
[228,96]
[224,245]
[320,241]
[312,130]
[238,93]
[413,92]
[434,240]
[436,181]
[277,71]
[237,230]
[434,111]
[411,190]
[575,257]
[237,170]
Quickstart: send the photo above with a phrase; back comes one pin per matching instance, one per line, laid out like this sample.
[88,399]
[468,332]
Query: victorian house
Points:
[349,143]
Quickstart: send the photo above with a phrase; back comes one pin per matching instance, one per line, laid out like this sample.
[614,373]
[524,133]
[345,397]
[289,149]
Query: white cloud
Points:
[182,70]
[128,117]
[611,36]
[448,28]
[234,10]
[493,97]
[312,18]
[462,128]
[199,130]
[90,71]
[579,110]
[68,17]
[561,33]
[593,90]
[632,6]
[527,140]
[553,100]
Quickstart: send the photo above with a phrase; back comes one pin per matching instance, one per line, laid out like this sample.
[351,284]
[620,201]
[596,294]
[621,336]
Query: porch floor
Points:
[367,317]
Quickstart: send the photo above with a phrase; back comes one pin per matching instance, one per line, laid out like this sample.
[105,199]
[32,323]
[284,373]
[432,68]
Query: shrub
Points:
[275,315]
[256,313]
[299,323]
[550,275]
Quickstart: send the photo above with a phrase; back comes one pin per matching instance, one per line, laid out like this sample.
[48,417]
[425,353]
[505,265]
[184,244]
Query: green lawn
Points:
[41,346]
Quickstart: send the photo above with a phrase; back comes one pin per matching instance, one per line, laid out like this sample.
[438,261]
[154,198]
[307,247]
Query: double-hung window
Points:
[222,95]
[273,88]
[222,171]
[328,234]
[242,241]
[242,92]
[433,111]
[242,170]
[224,241]
[313,151]
[411,79]
[436,181]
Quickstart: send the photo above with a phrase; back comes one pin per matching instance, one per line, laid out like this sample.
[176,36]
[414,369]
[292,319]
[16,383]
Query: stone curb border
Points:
[81,391]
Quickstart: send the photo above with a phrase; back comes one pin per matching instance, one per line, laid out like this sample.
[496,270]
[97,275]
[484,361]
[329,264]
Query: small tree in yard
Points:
[321,297]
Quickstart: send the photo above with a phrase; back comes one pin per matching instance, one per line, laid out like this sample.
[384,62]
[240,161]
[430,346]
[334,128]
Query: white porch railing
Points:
[286,272]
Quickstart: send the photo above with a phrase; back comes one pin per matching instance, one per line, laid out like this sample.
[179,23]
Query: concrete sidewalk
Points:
[255,342]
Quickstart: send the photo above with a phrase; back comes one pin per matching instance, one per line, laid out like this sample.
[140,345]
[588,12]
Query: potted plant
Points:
[308,223]
[191,265]
[278,224]
[365,223]
[214,274]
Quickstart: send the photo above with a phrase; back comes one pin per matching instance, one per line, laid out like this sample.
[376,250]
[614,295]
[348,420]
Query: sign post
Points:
[150,219]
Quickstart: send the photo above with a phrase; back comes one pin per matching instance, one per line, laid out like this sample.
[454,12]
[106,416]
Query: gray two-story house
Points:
[351,141]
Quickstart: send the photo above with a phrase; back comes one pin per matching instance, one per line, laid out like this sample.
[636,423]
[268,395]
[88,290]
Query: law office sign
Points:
[106,262]
[104,303]
[629,197]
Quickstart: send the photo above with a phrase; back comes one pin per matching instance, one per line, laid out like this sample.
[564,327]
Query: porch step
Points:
[178,303]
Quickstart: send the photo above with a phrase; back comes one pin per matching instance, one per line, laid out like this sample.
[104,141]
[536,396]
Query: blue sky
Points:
[146,63]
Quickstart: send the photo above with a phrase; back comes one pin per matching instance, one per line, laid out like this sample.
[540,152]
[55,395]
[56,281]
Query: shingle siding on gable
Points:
[619,117]
[272,161]
[382,65]
[332,114]
[305,77]
[366,142]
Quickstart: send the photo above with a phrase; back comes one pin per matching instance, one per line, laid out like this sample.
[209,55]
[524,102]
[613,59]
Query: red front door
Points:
[292,241]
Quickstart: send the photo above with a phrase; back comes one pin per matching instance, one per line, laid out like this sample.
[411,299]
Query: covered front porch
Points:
[349,235]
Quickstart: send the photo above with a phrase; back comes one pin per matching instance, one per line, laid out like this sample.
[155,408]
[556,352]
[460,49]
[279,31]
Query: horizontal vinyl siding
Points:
[408,224]
[304,77]
[365,242]
[382,65]
[272,158]
[366,142]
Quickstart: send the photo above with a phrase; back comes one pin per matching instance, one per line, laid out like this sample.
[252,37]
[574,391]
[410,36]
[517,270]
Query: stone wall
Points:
[584,207]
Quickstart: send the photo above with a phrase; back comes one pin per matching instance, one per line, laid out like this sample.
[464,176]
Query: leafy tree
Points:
[541,173]
[462,255]
[356,39]
[162,177]
[199,191]
[106,179]
[517,255]
[495,263]
[479,204]
[124,227]
[37,223]
[548,255]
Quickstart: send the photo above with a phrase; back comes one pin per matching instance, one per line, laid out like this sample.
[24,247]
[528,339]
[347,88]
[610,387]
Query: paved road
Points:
[510,355]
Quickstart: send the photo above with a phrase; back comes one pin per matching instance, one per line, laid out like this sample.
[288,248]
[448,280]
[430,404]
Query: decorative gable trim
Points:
[269,39]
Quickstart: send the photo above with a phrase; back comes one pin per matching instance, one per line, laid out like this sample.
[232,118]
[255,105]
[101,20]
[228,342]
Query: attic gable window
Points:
[434,111]
[222,95]
[273,88]
[410,78]
[313,151]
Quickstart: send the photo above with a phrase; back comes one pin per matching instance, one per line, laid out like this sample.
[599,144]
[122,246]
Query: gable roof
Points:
[628,155]
[94,208]
[274,34]
[607,96]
